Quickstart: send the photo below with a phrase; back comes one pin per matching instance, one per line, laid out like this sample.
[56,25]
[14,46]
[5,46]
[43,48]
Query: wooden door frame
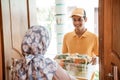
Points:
[105,18]
[1,48]
[1,54]
[101,38]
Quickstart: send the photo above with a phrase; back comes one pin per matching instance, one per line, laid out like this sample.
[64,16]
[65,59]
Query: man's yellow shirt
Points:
[86,44]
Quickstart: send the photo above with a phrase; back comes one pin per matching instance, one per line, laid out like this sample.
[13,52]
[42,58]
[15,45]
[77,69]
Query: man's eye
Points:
[80,19]
[74,20]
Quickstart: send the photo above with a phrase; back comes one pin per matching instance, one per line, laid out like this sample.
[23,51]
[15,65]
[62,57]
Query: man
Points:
[80,40]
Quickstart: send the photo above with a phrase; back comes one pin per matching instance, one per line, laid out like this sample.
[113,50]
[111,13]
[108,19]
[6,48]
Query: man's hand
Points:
[94,61]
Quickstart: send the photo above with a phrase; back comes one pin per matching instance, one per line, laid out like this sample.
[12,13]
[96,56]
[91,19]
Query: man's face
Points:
[78,22]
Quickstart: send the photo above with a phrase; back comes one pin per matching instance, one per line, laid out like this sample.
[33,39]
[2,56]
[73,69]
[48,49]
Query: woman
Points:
[34,66]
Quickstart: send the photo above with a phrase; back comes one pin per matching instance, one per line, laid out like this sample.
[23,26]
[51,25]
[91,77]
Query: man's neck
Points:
[81,31]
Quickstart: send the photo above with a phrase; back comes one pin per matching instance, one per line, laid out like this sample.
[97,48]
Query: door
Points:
[109,38]
[17,16]
[1,54]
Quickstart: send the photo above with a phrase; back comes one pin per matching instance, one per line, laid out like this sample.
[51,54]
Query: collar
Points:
[85,34]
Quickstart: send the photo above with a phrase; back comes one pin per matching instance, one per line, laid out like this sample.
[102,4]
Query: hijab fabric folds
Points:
[34,66]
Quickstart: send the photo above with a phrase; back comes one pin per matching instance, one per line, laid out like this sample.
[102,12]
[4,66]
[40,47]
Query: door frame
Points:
[101,38]
[1,48]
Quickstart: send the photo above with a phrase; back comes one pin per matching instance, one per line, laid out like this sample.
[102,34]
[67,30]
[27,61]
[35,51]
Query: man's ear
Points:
[85,19]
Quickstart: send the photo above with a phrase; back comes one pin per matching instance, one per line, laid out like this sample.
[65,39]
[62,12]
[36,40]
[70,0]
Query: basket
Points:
[76,65]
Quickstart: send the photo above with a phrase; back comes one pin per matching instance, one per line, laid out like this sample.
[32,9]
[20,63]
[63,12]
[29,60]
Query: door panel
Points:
[19,24]
[17,16]
[116,37]
[1,48]
[1,54]
[14,27]
[109,18]
[116,32]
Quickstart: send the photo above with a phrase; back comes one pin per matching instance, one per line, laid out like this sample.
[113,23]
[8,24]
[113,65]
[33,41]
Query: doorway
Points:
[49,10]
